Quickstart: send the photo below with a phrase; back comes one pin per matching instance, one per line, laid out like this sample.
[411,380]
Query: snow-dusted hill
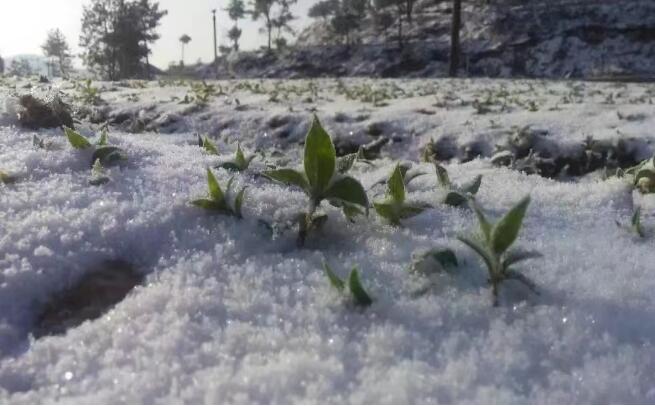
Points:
[228,313]
[507,38]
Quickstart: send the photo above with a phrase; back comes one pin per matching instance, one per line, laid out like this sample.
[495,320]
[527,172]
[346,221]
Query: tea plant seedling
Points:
[321,181]
[493,242]
[457,195]
[107,154]
[240,161]
[635,224]
[98,176]
[435,260]
[218,200]
[354,285]
[394,208]
[208,145]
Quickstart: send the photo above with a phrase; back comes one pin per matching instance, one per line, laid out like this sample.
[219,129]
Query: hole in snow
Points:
[90,298]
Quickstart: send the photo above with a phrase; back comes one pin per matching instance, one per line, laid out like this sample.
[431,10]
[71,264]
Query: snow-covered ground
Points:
[227,313]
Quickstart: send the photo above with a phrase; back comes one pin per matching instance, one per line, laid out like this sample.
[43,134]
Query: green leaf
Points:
[108,155]
[288,176]
[515,256]
[636,222]
[6,178]
[409,210]
[396,186]
[346,162]
[76,139]
[474,186]
[320,157]
[388,211]
[103,138]
[435,260]
[209,204]
[349,190]
[230,166]
[240,160]
[507,229]
[442,175]
[209,146]
[335,281]
[455,199]
[215,191]
[485,226]
[238,202]
[359,294]
[480,250]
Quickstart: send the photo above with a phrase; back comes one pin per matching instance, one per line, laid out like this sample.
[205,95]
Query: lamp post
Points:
[215,48]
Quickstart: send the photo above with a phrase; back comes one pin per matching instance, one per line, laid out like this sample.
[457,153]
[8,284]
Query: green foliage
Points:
[353,286]
[107,154]
[6,178]
[436,260]
[88,94]
[643,176]
[320,180]
[457,195]
[635,224]
[394,208]
[202,92]
[208,145]
[240,161]
[98,176]
[217,200]
[493,242]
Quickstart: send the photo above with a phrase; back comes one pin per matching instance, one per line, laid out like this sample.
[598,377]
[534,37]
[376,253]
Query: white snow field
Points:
[229,314]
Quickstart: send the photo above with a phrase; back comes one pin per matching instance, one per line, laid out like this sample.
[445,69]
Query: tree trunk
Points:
[454,38]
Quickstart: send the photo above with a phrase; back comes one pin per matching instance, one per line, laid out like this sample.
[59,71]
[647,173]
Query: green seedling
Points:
[239,163]
[218,200]
[207,145]
[354,285]
[346,162]
[107,154]
[493,242]
[89,94]
[436,260]
[643,176]
[394,208]
[635,224]
[6,178]
[98,175]
[457,195]
[320,181]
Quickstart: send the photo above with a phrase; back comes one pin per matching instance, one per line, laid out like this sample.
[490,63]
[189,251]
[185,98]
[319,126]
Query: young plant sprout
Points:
[107,154]
[218,200]
[394,208]
[209,146]
[433,261]
[240,162]
[354,285]
[320,181]
[346,162]
[643,175]
[493,242]
[635,224]
[98,176]
[457,194]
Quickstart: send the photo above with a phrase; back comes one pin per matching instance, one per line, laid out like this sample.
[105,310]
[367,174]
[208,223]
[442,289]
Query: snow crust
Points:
[229,315]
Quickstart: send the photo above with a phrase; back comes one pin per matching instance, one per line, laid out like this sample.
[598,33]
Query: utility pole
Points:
[215,47]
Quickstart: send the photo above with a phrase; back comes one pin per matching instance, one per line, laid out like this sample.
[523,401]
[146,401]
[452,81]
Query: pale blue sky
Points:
[24,24]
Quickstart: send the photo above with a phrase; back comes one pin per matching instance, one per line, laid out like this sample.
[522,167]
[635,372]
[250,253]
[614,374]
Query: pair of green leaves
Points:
[394,208]
[107,154]
[207,145]
[354,285]
[320,179]
[239,163]
[218,200]
[457,195]
[644,176]
[493,243]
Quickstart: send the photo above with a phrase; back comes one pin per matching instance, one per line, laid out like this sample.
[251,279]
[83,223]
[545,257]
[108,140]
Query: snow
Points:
[229,315]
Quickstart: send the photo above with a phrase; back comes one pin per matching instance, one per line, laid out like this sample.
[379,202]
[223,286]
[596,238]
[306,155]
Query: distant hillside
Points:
[37,62]
[509,38]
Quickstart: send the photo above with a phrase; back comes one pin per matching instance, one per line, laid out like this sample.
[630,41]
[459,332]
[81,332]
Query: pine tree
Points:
[236,10]
[56,47]
[116,34]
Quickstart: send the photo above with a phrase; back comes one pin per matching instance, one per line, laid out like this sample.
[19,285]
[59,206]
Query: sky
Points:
[25,23]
